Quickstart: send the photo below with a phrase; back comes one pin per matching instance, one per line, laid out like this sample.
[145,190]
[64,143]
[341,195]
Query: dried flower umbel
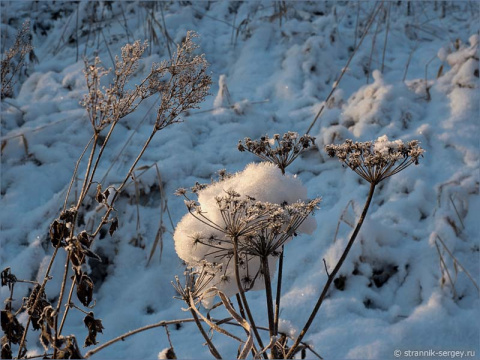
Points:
[250,235]
[280,150]
[377,160]
[260,228]
[197,281]
[374,161]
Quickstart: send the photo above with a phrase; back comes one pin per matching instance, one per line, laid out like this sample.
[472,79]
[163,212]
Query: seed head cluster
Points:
[280,150]
[197,280]
[258,229]
[377,160]
[182,83]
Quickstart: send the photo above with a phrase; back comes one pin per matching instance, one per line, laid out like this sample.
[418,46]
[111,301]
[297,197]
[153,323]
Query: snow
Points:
[270,75]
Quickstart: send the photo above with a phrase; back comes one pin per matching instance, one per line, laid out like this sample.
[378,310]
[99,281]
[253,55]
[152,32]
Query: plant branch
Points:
[210,345]
[344,70]
[136,331]
[279,293]
[268,292]
[331,277]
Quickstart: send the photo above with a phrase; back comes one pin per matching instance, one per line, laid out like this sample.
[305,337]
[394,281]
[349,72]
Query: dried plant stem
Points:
[242,314]
[88,172]
[75,171]
[172,322]
[268,292]
[345,68]
[279,293]
[443,267]
[331,277]
[59,303]
[211,347]
[458,263]
[67,308]
[374,40]
[105,217]
[136,331]
[35,304]
[132,168]
[386,36]
[243,297]
[240,306]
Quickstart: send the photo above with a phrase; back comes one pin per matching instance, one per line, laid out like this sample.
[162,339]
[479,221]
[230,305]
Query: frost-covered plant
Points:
[279,150]
[374,161]
[244,234]
[241,224]
[377,160]
[197,280]
[14,59]
[181,83]
[255,229]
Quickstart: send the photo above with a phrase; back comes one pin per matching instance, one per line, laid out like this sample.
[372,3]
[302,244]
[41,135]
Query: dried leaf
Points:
[71,350]
[113,226]
[84,239]
[99,196]
[106,194]
[48,316]
[85,289]
[94,326]
[11,327]
[7,277]
[91,254]
[440,71]
[58,232]
[167,353]
[6,352]
[68,215]
[46,336]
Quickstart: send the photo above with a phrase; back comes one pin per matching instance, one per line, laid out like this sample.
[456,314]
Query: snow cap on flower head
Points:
[377,160]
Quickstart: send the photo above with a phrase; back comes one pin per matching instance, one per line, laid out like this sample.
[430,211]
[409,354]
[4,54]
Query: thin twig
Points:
[374,40]
[386,35]
[443,266]
[136,331]
[279,292]
[326,267]
[60,299]
[345,68]
[210,345]
[458,263]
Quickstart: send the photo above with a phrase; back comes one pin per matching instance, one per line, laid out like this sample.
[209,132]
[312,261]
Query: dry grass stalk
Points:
[14,59]
[181,83]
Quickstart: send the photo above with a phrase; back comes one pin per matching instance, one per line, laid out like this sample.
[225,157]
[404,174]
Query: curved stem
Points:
[331,277]
[211,347]
[136,331]
[345,68]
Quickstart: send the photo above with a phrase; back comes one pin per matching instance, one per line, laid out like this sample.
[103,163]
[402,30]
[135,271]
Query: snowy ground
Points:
[415,76]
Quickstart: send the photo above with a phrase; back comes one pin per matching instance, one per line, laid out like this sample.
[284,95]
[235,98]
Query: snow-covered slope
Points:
[415,76]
